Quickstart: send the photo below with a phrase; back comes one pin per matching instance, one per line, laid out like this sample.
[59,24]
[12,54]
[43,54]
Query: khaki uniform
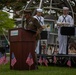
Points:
[33,24]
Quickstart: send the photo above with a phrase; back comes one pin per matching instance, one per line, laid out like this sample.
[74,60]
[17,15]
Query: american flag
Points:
[55,60]
[69,63]
[1,58]
[40,60]
[29,60]
[13,60]
[45,61]
[5,59]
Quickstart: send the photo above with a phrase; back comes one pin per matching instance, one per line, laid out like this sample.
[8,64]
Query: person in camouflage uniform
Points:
[33,24]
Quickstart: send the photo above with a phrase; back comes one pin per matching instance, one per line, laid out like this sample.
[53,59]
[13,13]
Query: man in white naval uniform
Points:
[64,19]
[40,19]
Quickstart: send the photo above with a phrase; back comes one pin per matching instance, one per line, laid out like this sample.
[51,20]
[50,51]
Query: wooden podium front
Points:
[22,42]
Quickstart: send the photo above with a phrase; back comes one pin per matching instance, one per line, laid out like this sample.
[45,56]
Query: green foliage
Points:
[15,4]
[5,21]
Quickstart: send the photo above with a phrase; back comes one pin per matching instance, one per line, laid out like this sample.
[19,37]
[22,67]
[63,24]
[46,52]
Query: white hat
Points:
[65,8]
[39,10]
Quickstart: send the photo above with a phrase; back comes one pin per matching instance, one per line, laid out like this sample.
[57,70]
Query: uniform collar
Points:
[65,15]
[38,16]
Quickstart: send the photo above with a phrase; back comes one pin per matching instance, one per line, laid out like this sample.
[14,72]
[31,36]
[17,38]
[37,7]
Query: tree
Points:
[15,4]
[5,22]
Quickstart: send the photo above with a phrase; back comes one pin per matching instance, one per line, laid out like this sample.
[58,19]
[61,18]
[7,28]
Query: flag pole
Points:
[29,68]
[0,67]
[13,67]
[6,37]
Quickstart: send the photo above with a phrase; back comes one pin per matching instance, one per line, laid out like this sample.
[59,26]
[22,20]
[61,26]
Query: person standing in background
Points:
[63,20]
[40,19]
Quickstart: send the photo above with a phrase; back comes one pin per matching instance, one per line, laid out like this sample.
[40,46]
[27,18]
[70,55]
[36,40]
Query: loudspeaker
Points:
[69,31]
[43,35]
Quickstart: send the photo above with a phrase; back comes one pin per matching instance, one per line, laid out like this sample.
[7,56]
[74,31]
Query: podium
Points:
[22,42]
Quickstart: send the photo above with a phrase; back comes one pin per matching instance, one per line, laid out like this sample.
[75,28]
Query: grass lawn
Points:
[5,70]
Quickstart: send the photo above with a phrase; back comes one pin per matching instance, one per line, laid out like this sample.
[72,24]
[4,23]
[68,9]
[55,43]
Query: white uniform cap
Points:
[65,8]
[39,10]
